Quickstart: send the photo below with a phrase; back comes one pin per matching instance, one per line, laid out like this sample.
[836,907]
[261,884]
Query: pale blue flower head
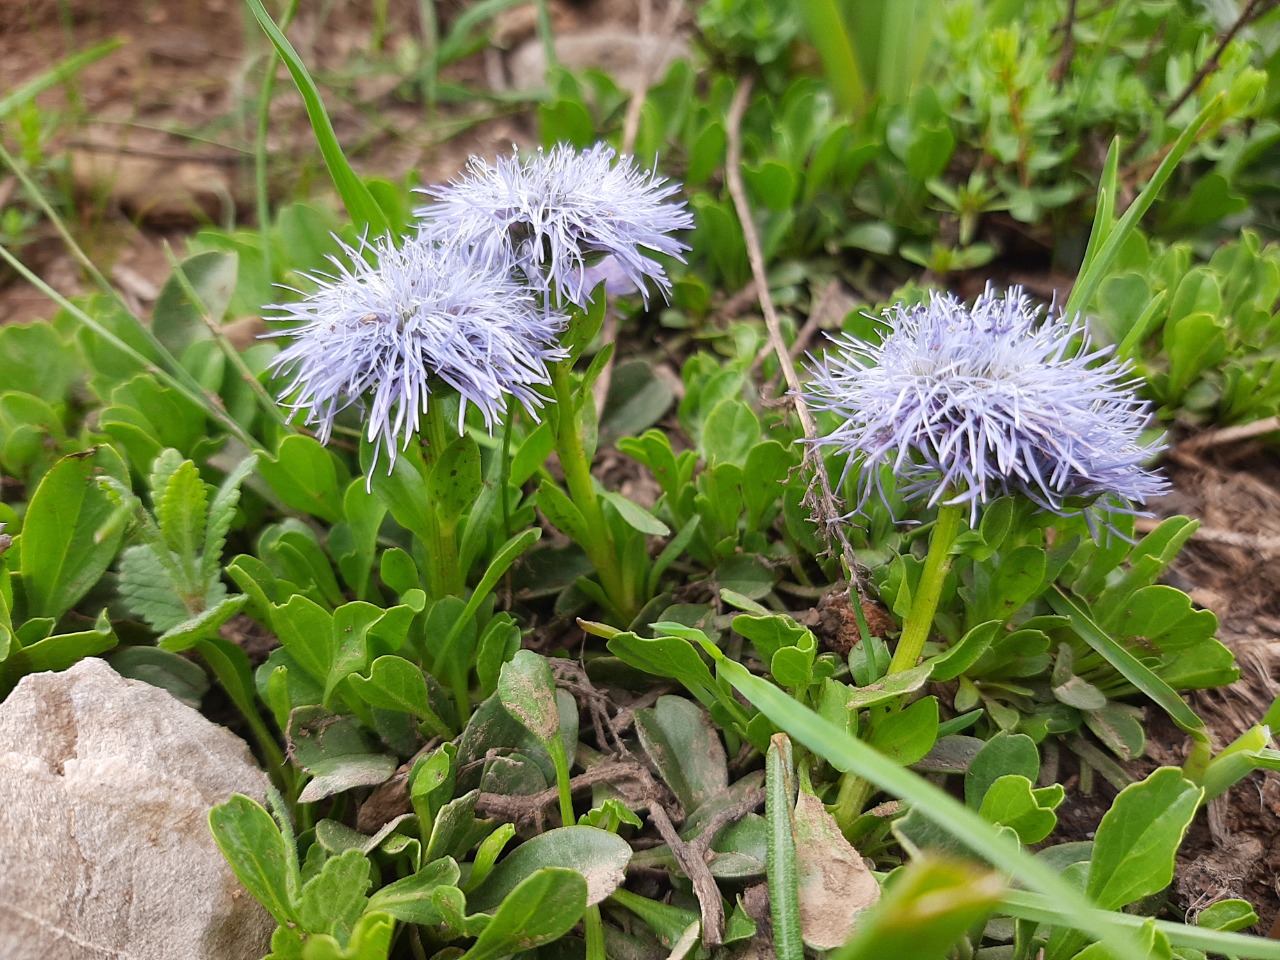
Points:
[557,213]
[390,330]
[967,404]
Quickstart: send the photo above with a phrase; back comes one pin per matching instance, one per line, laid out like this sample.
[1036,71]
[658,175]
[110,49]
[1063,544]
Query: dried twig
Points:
[1266,546]
[692,857]
[694,865]
[1252,11]
[1218,438]
[1068,49]
[525,809]
[826,513]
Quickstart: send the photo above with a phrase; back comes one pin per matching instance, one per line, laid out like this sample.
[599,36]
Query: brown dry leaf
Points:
[835,884]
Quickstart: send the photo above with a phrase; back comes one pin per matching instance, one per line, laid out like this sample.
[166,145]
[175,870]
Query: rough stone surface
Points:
[621,54]
[105,849]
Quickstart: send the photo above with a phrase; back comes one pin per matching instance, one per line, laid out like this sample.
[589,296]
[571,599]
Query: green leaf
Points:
[332,901]
[58,652]
[176,320]
[396,684]
[965,653]
[563,512]
[409,899]
[600,856]
[1138,838]
[730,431]
[68,539]
[181,510]
[925,912]
[892,687]
[258,854]
[1104,246]
[221,513]
[683,744]
[364,210]
[545,906]
[183,678]
[1004,753]
[636,516]
[307,476]
[455,479]
[1129,667]
[671,657]
[907,735]
[527,691]
[336,751]
[1010,802]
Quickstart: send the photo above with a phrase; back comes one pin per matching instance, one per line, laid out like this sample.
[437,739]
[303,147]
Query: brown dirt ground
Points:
[156,139]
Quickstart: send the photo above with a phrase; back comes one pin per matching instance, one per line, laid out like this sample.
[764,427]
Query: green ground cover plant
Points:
[514,711]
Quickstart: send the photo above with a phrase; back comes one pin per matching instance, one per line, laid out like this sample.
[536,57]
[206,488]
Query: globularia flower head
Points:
[556,213]
[969,404]
[391,332]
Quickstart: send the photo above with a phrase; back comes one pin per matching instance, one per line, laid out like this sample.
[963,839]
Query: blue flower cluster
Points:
[966,404]
[557,213]
[474,301]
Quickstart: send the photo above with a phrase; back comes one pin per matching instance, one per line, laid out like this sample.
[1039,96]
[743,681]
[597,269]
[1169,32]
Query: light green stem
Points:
[855,791]
[445,577]
[594,929]
[601,548]
[925,604]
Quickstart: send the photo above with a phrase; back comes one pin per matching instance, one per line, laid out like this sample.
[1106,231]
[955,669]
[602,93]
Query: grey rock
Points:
[621,54]
[105,849]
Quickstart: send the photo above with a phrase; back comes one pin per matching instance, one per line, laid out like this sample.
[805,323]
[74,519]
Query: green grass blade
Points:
[784,890]
[1104,214]
[56,75]
[1031,906]
[361,206]
[851,755]
[1101,252]
[1129,666]
[829,35]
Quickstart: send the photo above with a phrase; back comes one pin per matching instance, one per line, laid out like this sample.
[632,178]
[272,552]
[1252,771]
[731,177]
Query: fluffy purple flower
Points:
[420,318]
[557,213]
[969,404]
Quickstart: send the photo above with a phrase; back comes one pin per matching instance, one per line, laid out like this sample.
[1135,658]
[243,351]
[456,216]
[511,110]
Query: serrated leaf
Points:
[181,510]
[222,511]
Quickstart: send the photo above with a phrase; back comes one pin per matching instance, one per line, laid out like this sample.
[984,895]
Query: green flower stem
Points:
[854,790]
[594,929]
[601,548]
[925,604]
[443,573]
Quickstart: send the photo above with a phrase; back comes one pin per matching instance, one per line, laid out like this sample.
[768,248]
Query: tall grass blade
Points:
[361,206]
